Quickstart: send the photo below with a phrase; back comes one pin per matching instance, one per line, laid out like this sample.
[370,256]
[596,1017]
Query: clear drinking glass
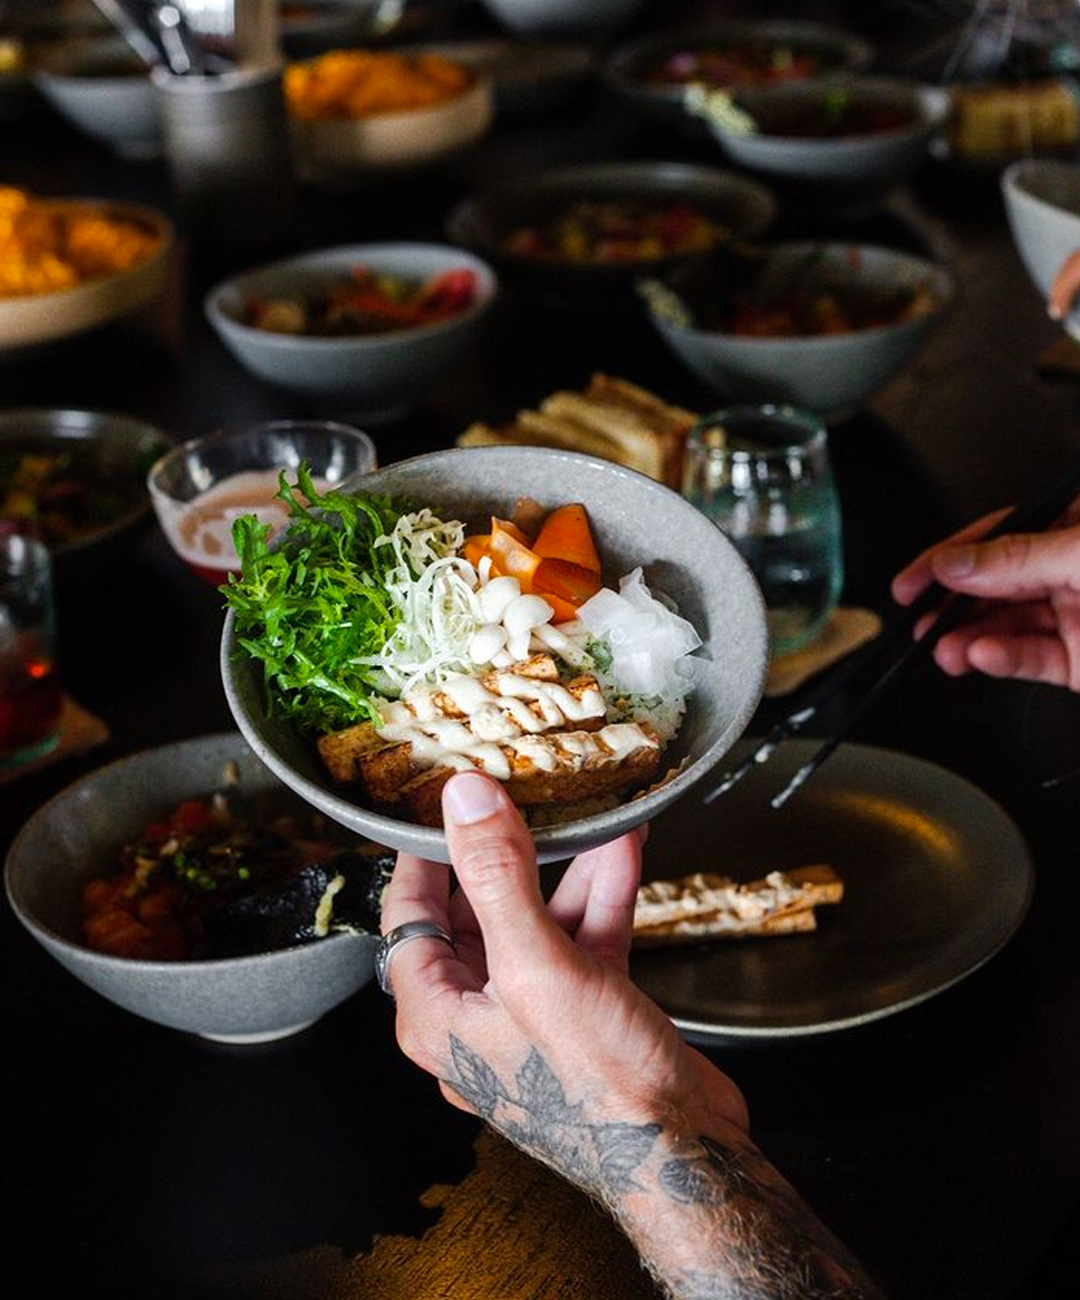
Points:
[763,475]
[30,695]
[199,488]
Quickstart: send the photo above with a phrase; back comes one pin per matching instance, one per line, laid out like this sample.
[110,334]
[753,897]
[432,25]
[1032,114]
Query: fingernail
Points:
[956,562]
[470,798]
[1053,312]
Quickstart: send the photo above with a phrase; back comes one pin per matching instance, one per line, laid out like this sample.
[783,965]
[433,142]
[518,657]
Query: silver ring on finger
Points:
[395,938]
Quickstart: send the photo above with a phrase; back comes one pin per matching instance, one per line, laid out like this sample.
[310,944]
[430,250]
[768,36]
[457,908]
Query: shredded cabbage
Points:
[433,591]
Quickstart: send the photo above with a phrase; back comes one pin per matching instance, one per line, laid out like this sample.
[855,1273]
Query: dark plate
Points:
[624,70]
[483,222]
[113,449]
[937,879]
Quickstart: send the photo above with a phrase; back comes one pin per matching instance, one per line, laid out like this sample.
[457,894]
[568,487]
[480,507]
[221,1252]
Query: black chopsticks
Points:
[894,649]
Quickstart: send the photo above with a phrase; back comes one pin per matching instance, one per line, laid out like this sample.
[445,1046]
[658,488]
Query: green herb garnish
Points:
[310,609]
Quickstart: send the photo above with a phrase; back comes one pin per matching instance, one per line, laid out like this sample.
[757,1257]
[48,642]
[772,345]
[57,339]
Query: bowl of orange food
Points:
[185,885]
[358,111]
[69,265]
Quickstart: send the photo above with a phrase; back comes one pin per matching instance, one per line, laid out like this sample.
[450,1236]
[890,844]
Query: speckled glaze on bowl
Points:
[636,522]
[77,835]
[1042,201]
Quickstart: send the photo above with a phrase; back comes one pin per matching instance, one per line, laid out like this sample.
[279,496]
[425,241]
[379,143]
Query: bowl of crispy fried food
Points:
[70,265]
[357,112]
[597,664]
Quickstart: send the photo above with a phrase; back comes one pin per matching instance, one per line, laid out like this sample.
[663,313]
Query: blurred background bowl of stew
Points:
[78,836]
[834,143]
[820,326]
[352,372]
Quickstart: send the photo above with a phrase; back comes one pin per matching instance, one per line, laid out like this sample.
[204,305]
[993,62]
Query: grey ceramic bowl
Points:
[483,222]
[830,374]
[77,835]
[838,170]
[107,451]
[626,71]
[103,90]
[576,17]
[682,553]
[1042,200]
[369,377]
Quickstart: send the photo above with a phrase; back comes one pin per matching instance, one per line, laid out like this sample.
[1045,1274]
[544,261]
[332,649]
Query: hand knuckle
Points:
[487,861]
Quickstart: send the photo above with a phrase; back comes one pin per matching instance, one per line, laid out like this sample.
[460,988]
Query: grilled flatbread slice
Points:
[706,906]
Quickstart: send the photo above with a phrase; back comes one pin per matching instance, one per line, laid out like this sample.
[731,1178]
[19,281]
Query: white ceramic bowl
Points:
[103,90]
[839,169]
[636,521]
[341,150]
[77,835]
[577,17]
[830,374]
[1042,200]
[44,317]
[374,376]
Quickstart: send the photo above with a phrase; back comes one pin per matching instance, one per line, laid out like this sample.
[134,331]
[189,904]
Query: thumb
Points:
[1016,565]
[495,862]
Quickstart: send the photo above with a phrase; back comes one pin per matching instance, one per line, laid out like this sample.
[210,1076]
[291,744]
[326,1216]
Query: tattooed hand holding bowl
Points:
[530,1021]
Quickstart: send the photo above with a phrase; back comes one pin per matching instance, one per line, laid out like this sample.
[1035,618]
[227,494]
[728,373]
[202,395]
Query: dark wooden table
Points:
[941,1143]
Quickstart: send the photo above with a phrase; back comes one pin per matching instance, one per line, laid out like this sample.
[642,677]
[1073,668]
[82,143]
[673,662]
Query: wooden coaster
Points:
[846,630]
[78,732]
[1061,360]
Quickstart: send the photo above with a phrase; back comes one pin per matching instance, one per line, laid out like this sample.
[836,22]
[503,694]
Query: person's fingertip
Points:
[1054,311]
[471,797]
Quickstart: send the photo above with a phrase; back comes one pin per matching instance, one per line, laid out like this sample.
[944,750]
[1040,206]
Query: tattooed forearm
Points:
[713,1220]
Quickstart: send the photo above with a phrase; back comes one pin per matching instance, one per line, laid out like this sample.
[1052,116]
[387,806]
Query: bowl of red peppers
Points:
[365,330]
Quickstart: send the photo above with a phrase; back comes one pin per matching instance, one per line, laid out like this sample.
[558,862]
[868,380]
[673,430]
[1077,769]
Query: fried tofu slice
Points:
[573,779]
[341,751]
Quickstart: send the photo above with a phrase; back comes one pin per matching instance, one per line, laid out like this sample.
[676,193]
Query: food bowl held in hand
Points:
[77,479]
[78,835]
[1042,200]
[836,143]
[355,113]
[682,554]
[201,486]
[819,326]
[369,375]
[583,234]
[104,90]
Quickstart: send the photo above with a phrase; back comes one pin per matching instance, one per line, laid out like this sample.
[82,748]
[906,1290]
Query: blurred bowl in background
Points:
[310,27]
[104,90]
[1042,201]
[200,487]
[569,17]
[832,372]
[85,492]
[336,145]
[373,377]
[835,143]
[489,222]
[651,75]
[32,320]
[78,834]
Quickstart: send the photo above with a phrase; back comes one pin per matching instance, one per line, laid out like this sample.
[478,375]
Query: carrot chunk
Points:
[566,535]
